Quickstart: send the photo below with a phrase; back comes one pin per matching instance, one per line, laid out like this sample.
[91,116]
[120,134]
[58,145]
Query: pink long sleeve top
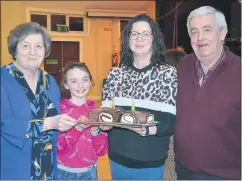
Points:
[78,149]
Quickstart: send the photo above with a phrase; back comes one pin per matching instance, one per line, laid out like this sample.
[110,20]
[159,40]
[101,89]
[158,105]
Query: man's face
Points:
[206,38]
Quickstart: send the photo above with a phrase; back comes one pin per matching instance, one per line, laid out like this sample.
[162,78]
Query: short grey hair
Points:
[21,31]
[205,10]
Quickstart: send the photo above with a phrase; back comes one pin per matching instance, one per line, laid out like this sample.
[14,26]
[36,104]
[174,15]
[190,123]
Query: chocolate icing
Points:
[111,115]
[93,115]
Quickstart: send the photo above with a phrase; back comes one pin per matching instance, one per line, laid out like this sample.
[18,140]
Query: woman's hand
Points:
[139,130]
[142,130]
[81,127]
[61,122]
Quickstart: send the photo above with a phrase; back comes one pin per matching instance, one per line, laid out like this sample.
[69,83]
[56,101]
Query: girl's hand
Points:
[61,122]
[81,126]
[95,130]
[105,128]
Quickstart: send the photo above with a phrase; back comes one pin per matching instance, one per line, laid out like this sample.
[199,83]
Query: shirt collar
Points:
[198,63]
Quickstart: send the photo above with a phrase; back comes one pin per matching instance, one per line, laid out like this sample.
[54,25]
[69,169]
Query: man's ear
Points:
[223,33]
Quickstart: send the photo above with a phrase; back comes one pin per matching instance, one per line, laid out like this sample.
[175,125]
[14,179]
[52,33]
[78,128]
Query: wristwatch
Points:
[147,131]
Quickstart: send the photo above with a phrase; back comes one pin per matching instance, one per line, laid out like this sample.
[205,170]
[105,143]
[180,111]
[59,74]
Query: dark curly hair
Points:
[158,45]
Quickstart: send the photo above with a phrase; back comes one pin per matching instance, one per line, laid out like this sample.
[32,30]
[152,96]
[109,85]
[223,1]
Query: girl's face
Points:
[78,82]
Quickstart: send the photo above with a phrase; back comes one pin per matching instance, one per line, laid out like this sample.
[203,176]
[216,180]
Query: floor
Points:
[169,174]
[104,169]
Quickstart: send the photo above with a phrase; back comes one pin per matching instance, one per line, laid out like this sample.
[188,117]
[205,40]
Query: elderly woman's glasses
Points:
[145,35]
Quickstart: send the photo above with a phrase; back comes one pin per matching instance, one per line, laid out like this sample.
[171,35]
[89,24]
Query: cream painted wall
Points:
[12,14]
[96,53]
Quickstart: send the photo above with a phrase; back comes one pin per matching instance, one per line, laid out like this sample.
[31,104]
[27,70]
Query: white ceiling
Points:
[82,5]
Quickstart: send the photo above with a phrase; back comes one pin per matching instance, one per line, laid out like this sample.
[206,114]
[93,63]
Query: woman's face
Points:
[30,52]
[141,38]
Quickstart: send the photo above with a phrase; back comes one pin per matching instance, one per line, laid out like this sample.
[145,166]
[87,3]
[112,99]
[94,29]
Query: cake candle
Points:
[113,104]
[133,107]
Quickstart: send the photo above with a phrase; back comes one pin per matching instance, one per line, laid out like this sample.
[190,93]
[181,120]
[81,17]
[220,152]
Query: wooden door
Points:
[61,53]
[53,63]
[70,52]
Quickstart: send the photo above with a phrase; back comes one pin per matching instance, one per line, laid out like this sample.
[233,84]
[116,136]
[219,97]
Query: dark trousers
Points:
[184,174]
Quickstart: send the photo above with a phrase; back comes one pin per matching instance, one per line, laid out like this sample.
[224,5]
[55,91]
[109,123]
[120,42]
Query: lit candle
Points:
[133,107]
[113,104]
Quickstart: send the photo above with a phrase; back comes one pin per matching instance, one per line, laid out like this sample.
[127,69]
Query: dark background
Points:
[230,8]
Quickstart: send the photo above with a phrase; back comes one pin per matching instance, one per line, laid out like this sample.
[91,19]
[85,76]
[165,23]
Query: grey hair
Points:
[205,10]
[21,31]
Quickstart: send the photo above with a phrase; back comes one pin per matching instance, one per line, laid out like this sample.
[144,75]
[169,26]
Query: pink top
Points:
[78,149]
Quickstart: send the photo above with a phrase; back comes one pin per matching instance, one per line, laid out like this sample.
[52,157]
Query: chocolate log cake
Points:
[111,115]
[117,115]
[137,117]
[93,115]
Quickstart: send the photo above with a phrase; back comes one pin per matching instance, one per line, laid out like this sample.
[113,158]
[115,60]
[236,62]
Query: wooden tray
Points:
[120,124]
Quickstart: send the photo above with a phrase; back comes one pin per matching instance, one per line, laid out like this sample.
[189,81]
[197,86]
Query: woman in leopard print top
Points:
[144,79]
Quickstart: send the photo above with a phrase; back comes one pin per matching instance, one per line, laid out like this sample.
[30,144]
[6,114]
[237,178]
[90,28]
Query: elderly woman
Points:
[145,80]
[30,106]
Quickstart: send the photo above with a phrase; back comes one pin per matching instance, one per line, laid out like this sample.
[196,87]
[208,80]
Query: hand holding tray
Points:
[91,123]
[119,118]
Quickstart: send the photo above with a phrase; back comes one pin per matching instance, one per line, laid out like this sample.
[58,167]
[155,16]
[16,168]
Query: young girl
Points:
[79,148]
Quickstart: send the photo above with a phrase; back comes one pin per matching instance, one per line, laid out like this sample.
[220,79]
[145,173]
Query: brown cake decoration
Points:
[137,117]
[129,117]
[93,115]
[118,115]
[110,115]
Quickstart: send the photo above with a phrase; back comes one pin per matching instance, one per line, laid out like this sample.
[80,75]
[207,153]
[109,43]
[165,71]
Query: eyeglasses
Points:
[145,35]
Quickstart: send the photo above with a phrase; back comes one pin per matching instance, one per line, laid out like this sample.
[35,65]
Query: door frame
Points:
[72,39]
[75,39]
